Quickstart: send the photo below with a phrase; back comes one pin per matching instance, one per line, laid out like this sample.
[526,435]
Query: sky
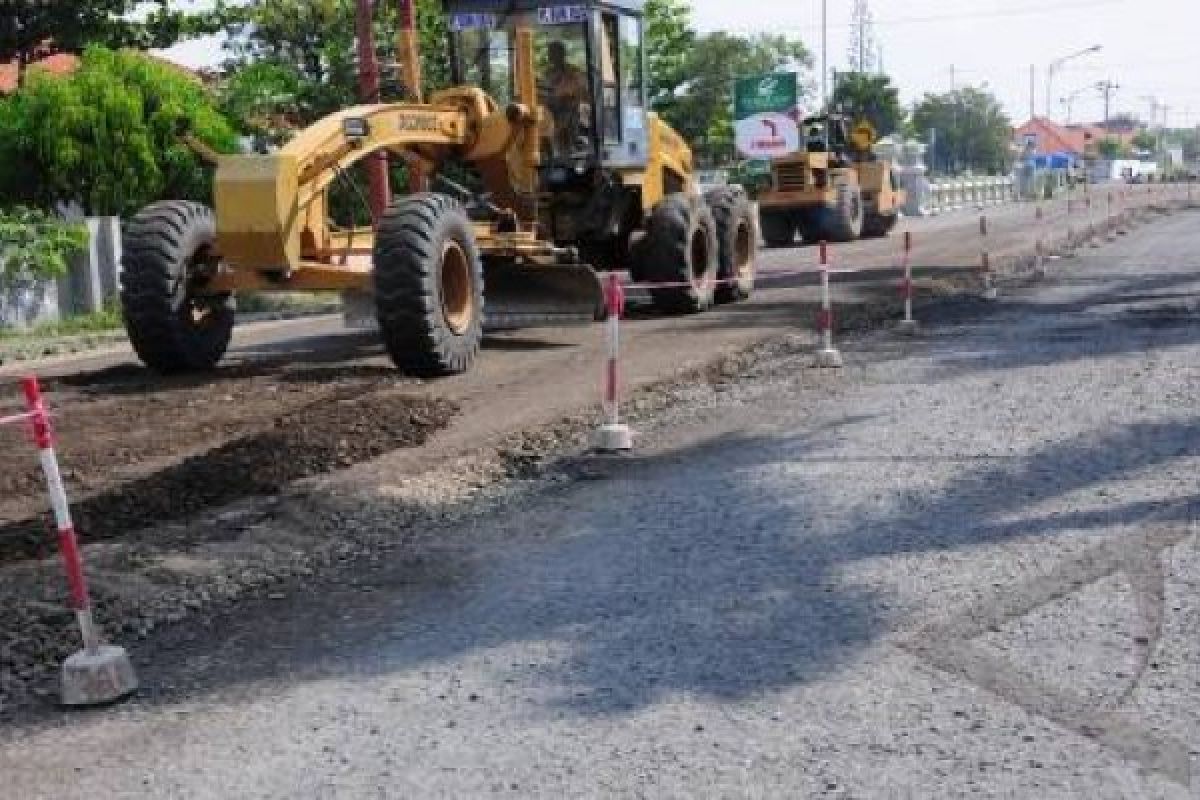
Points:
[932,45]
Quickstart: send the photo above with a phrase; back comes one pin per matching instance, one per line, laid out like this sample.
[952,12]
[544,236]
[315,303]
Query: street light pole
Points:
[1055,65]
[825,54]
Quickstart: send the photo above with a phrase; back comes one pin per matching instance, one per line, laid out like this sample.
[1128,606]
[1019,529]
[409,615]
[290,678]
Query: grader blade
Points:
[540,296]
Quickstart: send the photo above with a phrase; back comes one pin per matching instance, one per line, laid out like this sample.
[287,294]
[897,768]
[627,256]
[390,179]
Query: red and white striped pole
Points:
[99,673]
[828,356]
[909,324]
[613,436]
[1039,245]
[985,262]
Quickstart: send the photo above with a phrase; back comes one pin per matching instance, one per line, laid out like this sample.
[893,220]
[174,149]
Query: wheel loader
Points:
[540,168]
[835,190]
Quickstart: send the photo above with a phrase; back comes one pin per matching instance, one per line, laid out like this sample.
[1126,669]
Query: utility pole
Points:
[825,55]
[1032,91]
[1107,88]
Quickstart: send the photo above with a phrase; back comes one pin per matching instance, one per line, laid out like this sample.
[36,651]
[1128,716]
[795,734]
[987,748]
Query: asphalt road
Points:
[965,565]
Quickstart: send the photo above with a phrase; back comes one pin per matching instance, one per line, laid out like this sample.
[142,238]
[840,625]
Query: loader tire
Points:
[679,248]
[878,225]
[737,244]
[428,285]
[844,220]
[778,228]
[173,325]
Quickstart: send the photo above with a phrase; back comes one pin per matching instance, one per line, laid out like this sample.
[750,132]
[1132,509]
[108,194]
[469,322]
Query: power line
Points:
[1012,12]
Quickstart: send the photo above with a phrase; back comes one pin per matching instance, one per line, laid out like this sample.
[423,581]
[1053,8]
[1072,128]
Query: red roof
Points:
[1050,137]
[57,64]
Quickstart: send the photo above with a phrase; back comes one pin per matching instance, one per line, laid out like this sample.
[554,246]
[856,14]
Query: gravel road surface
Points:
[966,565]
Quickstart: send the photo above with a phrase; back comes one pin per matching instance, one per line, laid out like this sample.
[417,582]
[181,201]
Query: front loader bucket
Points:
[540,297]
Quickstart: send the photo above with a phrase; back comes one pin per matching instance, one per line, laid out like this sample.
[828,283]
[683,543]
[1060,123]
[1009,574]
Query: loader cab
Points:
[589,58]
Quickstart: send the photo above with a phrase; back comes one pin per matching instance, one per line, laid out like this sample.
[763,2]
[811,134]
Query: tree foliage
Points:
[39,26]
[296,59]
[871,97]
[107,135]
[669,40]
[1145,140]
[34,244]
[971,131]
[700,107]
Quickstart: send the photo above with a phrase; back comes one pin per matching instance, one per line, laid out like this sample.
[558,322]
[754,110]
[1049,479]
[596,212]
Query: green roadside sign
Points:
[774,92]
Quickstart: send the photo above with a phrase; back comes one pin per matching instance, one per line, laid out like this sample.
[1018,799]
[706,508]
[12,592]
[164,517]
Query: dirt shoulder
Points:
[193,493]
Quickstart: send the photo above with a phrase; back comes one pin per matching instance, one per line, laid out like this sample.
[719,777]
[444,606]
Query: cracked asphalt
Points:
[966,565]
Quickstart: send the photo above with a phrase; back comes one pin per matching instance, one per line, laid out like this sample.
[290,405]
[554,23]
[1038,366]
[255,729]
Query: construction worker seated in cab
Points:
[566,96]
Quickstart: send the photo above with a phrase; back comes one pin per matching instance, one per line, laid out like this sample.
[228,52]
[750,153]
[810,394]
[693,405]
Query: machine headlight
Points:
[356,128]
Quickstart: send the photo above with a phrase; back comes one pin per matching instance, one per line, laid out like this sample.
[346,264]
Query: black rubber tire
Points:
[877,226]
[411,245]
[680,231]
[172,326]
[778,228]
[844,220]
[737,243]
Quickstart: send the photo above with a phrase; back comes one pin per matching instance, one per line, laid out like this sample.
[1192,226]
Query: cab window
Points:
[564,88]
[483,56]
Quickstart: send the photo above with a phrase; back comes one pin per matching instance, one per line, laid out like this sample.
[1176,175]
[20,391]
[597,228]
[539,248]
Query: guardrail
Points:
[974,193]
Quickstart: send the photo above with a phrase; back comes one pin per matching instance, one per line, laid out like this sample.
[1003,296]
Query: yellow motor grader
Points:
[835,190]
[543,167]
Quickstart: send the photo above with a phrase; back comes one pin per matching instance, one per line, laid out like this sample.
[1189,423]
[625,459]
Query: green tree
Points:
[970,128]
[302,54]
[669,40]
[1110,148]
[871,97]
[107,136]
[34,244]
[701,107]
[41,27]
[1145,140]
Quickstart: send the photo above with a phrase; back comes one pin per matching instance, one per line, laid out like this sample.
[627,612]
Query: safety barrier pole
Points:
[989,291]
[908,325]
[1111,221]
[99,673]
[613,436]
[1039,244]
[828,356]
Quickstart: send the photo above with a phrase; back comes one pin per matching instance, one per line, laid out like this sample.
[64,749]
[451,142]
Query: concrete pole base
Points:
[613,439]
[829,358]
[908,327]
[96,677]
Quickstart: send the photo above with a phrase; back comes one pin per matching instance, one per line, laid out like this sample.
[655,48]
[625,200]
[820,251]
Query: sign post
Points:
[764,111]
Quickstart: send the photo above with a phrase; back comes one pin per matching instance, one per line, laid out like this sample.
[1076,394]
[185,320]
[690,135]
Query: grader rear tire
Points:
[778,228]
[679,248]
[737,244]
[877,226]
[172,324]
[428,285]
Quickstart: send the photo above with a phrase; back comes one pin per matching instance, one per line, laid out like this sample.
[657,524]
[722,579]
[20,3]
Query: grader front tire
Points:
[429,285]
[172,324]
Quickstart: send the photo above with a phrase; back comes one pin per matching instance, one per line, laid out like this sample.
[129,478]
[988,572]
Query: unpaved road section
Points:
[194,492]
[298,399]
[965,565]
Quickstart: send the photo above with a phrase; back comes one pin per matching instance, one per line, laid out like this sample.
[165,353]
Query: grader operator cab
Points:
[559,171]
[836,190]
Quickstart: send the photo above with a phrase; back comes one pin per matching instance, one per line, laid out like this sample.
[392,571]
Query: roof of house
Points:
[56,64]
[66,63]
[1050,137]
